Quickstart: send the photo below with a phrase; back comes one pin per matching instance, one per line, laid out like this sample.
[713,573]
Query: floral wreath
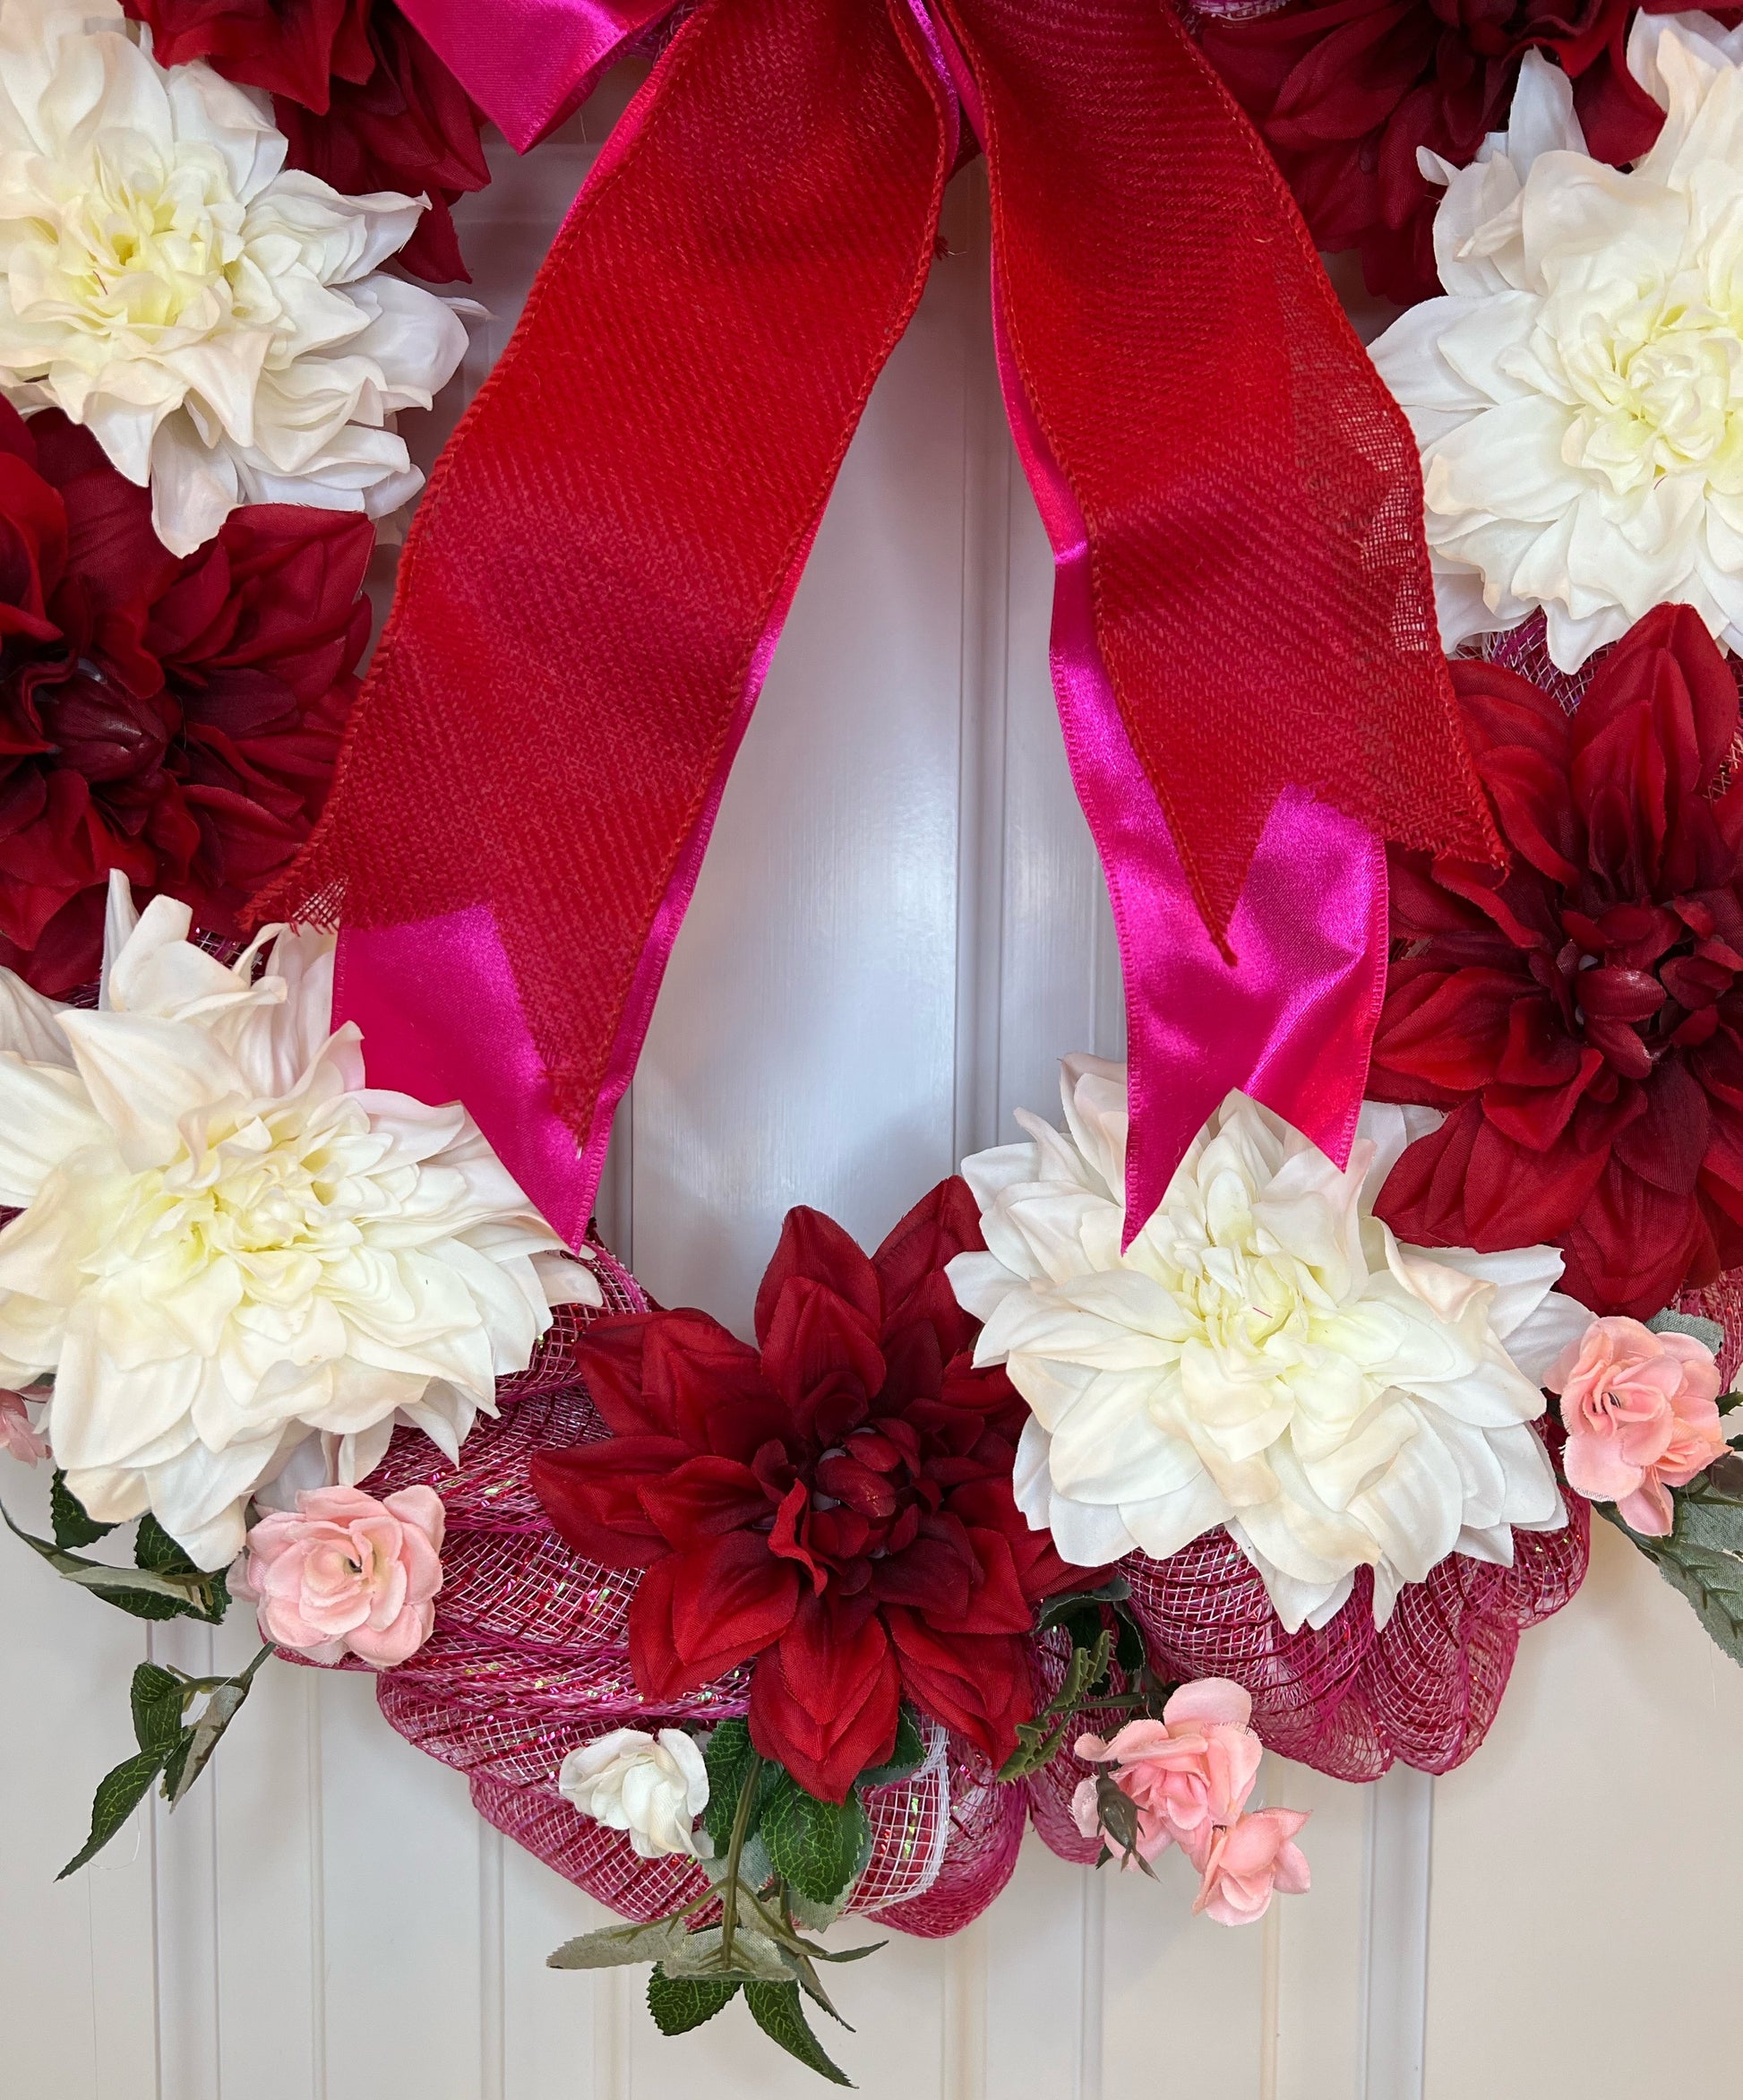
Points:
[1261,1404]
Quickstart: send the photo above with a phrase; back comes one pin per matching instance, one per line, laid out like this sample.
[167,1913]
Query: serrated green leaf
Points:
[620,1946]
[73,1525]
[777,2011]
[728,1756]
[157,1696]
[1115,1591]
[146,1595]
[157,1554]
[1712,1581]
[904,1760]
[1707,1332]
[679,2003]
[754,1957]
[222,1708]
[815,1845]
[119,1794]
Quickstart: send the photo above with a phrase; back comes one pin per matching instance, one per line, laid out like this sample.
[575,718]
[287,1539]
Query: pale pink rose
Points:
[16,1435]
[344,1574]
[1190,1772]
[1241,1863]
[1640,1415]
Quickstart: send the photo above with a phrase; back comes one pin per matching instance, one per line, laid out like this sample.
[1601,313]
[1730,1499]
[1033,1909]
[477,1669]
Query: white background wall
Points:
[900,929]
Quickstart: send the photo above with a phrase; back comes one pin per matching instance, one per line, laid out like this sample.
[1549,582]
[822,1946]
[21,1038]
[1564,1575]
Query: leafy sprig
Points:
[784,1865]
[1107,1671]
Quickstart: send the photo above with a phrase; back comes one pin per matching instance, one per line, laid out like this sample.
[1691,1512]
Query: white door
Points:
[900,929]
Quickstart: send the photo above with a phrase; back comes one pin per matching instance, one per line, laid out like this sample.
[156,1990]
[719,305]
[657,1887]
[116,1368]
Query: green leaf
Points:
[157,1697]
[728,1756]
[1115,1591]
[73,1527]
[904,1760]
[679,2003]
[143,1593]
[777,2011]
[156,1552]
[194,1755]
[1712,1580]
[118,1795]
[754,1957]
[1707,1332]
[815,1845]
[619,1946]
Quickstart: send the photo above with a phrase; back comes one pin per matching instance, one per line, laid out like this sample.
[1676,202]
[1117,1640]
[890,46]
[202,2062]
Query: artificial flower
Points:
[224,327]
[175,718]
[1580,1018]
[1348,93]
[835,1503]
[1265,1355]
[17,1435]
[1245,1862]
[362,100]
[652,1786]
[344,1574]
[1642,1417]
[227,1245]
[1578,394]
[1186,1774]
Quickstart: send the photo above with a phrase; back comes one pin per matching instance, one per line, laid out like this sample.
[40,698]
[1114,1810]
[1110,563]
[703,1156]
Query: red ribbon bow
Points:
[1245,639]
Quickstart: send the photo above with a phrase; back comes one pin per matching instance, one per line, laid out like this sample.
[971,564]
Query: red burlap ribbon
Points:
[592,585]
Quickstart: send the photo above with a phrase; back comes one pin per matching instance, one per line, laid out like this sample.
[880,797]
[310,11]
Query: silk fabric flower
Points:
[343,1574]
[1578,394]
[224,327]
[1580,1018]
[652,1787]
[228,1246]
[176,719]
[362,99]
[17,1435]
[1186,1774]
[1265,1355]
[834,1504]
[1642,1417]
[1348,93]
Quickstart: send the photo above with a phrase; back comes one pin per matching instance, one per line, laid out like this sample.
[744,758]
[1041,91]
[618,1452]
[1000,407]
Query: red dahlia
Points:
[1346,92]
[176,718]
[1581,1019]
[835,1503]
[364,102]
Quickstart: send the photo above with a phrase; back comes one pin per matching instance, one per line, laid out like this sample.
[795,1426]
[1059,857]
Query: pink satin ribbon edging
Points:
[1291,1021]
[530,64]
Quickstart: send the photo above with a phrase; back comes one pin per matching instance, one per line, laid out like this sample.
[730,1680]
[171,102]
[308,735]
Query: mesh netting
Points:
[529,1659]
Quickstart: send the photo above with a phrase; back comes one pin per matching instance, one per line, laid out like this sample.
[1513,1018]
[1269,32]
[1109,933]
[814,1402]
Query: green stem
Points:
[729,1893]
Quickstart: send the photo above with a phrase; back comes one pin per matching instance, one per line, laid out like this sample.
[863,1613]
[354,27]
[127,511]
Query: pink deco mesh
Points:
[529,1660]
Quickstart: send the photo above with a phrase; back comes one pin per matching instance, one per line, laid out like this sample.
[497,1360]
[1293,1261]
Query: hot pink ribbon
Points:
[1288,1018]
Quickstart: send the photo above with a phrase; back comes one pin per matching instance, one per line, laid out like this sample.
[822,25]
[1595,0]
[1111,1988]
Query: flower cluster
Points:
[224,327]
[1189,1778]
[1580,1018]
[228,1249]
[1265,1355]
[834,1504]
[173,718]
[1578,394]
[363,101]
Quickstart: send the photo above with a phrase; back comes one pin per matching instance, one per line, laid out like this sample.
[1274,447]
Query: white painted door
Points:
[900,927]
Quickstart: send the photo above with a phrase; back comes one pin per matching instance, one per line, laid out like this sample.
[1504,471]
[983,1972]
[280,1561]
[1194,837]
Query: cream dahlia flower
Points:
[1264,1355]
[1578,395]
[229,1247]
[221,325]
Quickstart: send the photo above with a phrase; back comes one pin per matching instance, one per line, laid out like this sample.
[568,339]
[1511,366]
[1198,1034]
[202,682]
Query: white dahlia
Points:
[229,1246]
[222,326]
[1264,1355]
[1579,394]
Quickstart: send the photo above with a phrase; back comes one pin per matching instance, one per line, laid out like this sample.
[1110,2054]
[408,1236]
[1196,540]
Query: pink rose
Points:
[1245,1861]
[1188,1773]
[344,1574]
[16,1434]
[1640,1415]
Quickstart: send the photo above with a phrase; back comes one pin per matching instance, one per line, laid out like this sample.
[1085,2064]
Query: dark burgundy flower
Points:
[836,1502]
[176,719]
[1581,1019]
[364,102]
[1344,92]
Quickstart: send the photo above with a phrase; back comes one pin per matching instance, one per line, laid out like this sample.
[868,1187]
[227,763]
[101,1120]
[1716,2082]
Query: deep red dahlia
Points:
[1580,1019]
[835,1502]
[177,720]
[1346,91]
[364,102]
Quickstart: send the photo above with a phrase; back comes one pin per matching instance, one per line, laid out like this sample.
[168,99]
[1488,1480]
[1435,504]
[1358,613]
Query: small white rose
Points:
[652,1786]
